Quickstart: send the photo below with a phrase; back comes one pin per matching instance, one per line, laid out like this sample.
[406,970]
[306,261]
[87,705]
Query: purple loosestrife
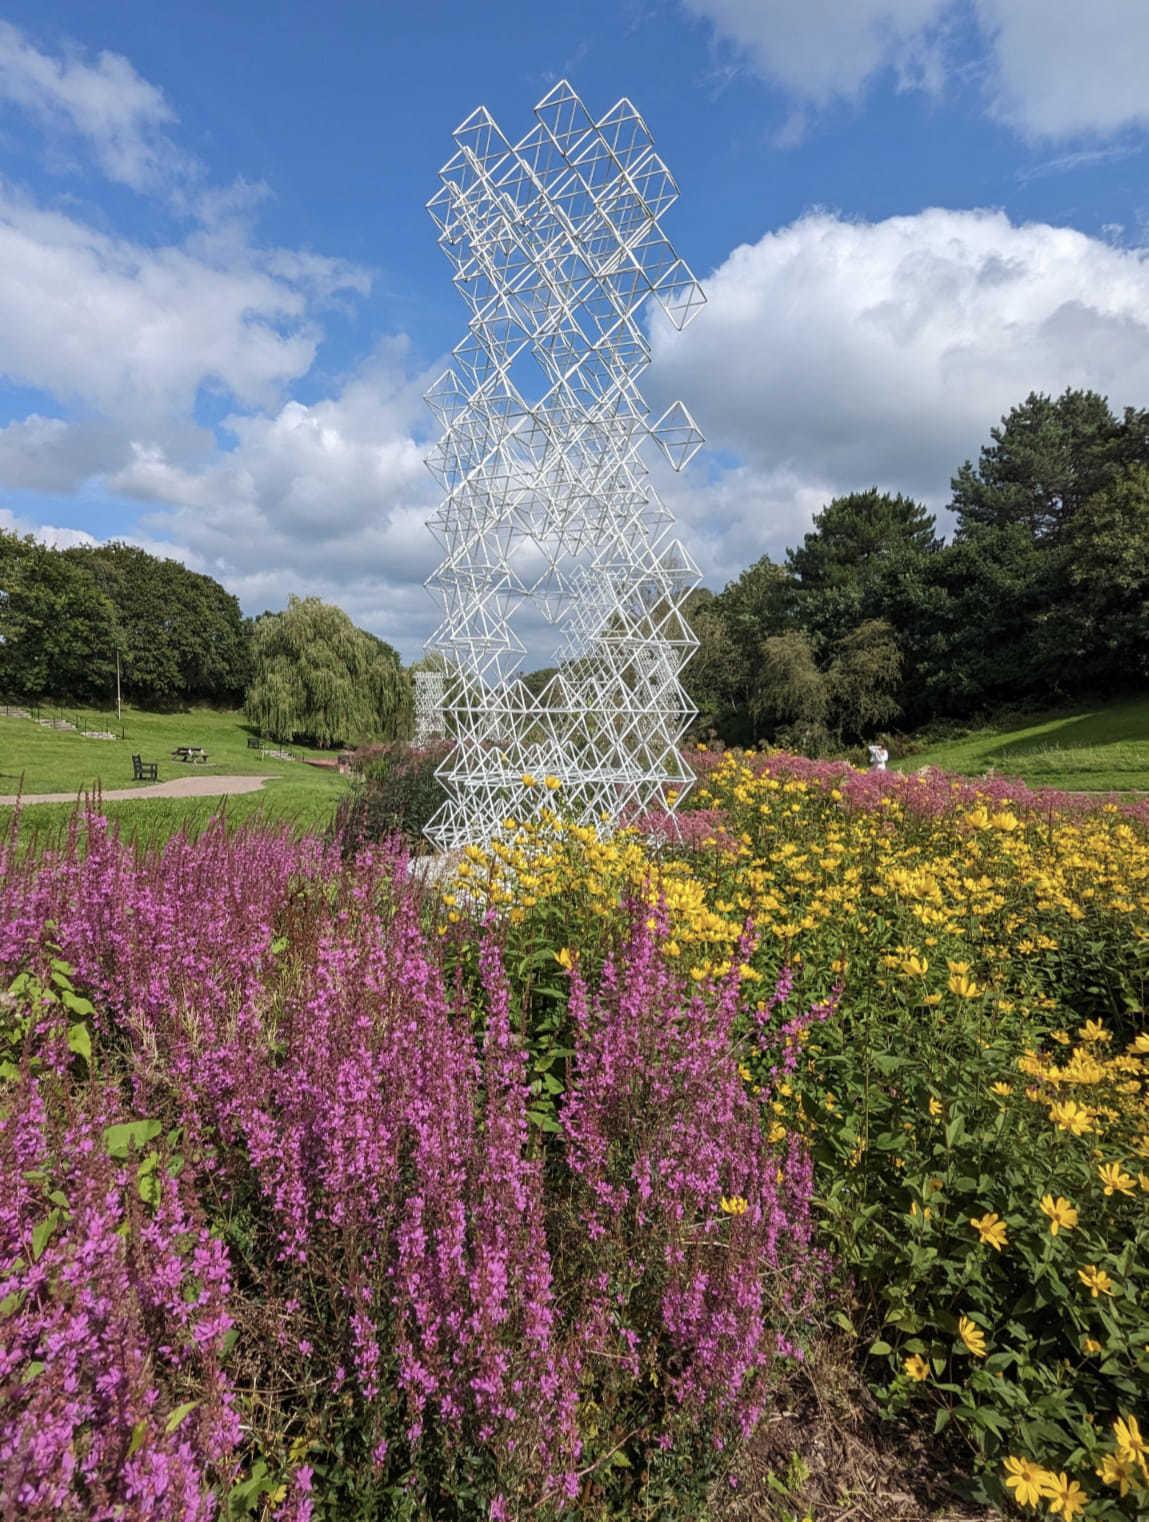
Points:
[660,1131]
[115,1316]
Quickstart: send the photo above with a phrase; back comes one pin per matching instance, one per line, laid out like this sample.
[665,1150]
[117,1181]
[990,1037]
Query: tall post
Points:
[119,714]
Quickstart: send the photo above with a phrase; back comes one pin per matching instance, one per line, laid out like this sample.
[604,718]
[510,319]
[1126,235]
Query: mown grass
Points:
[61,760]
[34,759]
[1099,750]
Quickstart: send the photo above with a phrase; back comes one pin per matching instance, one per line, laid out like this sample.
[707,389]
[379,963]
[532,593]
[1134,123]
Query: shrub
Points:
[396,793]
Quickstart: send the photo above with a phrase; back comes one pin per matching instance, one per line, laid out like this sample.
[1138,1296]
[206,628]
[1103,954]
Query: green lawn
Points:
[56,761]
[1099,750]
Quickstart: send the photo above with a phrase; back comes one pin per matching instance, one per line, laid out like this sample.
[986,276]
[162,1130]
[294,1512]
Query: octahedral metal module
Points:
[549,512]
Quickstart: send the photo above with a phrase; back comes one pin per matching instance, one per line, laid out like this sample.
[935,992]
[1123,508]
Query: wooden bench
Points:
[144,771]
[254,744]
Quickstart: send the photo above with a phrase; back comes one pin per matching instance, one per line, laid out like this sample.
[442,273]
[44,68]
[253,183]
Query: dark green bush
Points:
[395,792]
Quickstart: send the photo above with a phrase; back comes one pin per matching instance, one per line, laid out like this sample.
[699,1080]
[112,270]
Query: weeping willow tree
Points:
[320,680]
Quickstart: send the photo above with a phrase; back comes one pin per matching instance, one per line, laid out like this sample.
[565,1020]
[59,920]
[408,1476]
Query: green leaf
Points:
[42,1233]
[879,1349]
[80,1042]
[139,1437]
[77,1004]
[122,1139]
[178,1415]
[31,1372]
[941,1419]
[544,1120]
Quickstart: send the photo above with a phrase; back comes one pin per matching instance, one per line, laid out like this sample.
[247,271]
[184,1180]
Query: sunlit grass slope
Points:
[1102,749]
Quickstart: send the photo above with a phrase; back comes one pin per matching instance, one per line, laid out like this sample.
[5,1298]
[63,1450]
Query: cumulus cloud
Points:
[1049,71]
[328,495]
[836,355]
[120,116]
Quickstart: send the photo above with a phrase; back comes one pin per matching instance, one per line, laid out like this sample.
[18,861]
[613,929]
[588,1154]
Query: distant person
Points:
[879,755]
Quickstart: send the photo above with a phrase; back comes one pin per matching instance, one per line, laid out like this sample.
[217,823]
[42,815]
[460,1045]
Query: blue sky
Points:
[221,297]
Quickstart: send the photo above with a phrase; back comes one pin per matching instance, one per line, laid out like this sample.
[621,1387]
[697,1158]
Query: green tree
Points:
[850,566]
[864,678]
[182,637]
[1107,575]
[1046,460]
[791,689]
[319,679]
[59,632]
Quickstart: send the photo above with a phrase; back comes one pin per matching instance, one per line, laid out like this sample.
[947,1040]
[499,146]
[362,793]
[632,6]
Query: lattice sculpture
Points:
[556,244]
[430,690]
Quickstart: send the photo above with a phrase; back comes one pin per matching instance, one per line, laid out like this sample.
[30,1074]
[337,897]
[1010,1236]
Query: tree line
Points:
[1040,598]
[79,624]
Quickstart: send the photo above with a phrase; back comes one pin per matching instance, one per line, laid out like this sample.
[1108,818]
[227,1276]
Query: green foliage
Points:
[791,687]
[179,634]
[1046,460]
[1107,574]
[863,679]
[320,679]
[396,792]
[59,629]
[69,613]
[907,1193]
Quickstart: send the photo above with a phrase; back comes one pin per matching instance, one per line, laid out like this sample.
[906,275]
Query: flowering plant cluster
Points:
[319,1211]
[978,1103]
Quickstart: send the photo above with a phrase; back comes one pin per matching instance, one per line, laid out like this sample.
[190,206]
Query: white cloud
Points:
[1050,71]
[821,49]
[121,116]
[134,333]
[1062,70]
[837,355]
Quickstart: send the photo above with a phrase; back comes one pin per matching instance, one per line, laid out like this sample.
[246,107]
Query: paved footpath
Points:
[180,787]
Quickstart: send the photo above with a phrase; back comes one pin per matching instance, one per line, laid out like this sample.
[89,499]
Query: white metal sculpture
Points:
[430,689]
[556,245]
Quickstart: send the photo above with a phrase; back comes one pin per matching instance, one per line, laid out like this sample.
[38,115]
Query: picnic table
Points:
[195,754]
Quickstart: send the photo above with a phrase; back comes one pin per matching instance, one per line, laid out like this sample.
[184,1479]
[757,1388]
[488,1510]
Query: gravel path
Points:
[179,787]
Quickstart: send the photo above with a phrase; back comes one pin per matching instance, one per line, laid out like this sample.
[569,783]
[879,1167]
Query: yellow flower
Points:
[552,784]
[964,987]
[916,1367]
[915,967]
[528,780]
[991,1229]
[1117,1470]
[563,957]
[935,1108]
[972,1336]
[1062,1215]
[736,1205]
[959,969]
[1024,1478]
[1072,1117]
[1115,1178]
[1004,1089]
[1003,820]
[1090,1345]
[1130,1444]
[1064,1495]
[1093,1030]
[1096,1280]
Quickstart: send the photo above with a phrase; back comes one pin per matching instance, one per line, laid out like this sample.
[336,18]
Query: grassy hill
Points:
[36,759]
[1098,750]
